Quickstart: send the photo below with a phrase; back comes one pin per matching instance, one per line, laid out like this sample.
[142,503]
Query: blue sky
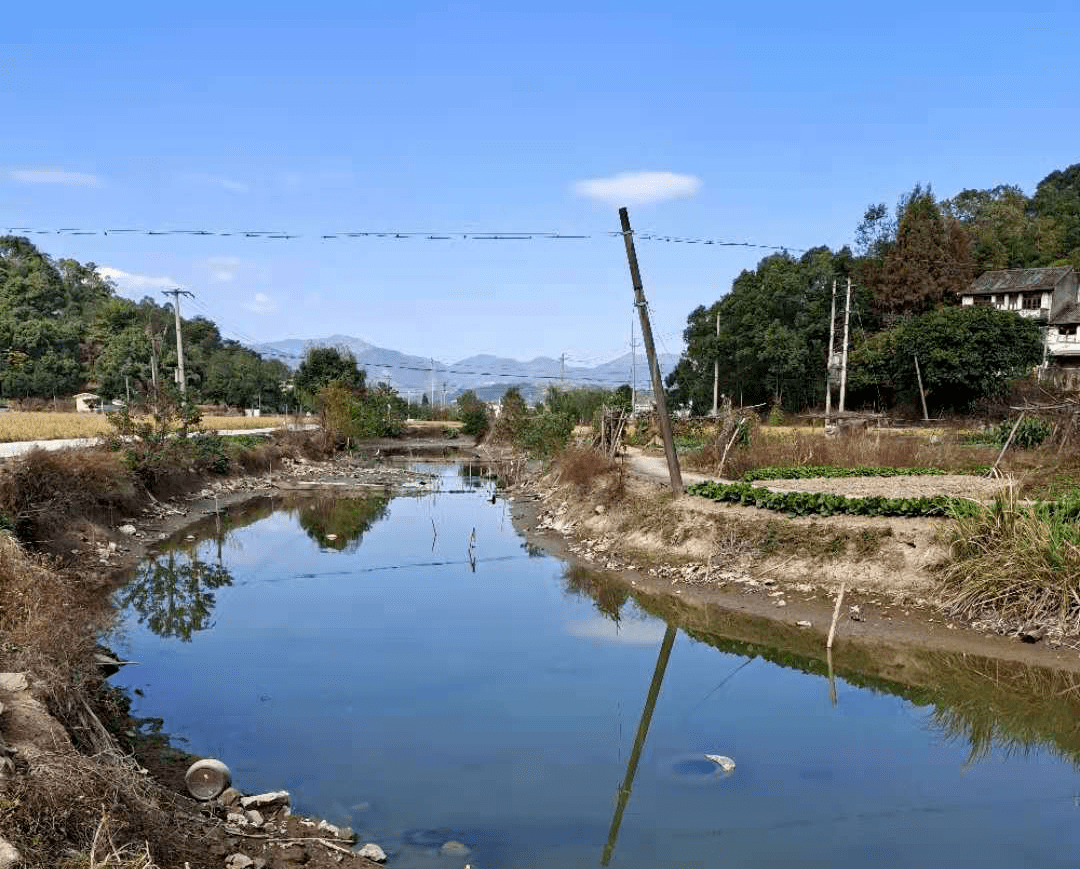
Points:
[774,123]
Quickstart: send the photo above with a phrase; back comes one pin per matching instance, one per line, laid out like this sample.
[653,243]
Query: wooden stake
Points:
[922,392]
[654,367]
[1012,434]
[835,616]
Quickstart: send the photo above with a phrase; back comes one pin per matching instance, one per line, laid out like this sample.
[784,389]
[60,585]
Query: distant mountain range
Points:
[488,375]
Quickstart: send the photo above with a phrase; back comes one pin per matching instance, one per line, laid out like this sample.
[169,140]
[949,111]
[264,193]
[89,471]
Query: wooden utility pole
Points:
[922,394]
[843,359]
[828,359]
[176,293]
[716,375]
[650,351]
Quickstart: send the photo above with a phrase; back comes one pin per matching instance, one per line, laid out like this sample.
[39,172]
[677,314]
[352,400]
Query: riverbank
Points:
[702,554]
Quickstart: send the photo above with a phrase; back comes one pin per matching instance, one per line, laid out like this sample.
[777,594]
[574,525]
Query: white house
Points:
[1050,294]
[87,402]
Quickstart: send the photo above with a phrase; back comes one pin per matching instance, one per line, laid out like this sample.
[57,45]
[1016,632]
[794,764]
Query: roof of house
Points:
[1067,315]
[1017,280]
[88,395]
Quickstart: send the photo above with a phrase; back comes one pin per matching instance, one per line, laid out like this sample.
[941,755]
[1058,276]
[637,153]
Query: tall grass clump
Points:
[1015,563]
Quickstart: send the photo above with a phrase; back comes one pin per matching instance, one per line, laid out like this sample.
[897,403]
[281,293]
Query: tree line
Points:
[908,265]
[63,329]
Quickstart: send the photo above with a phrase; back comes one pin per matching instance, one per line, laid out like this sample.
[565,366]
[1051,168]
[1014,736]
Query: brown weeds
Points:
[870,448]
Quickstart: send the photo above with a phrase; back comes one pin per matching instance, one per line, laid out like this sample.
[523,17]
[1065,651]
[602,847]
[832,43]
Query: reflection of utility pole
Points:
[639,742]
[176,293]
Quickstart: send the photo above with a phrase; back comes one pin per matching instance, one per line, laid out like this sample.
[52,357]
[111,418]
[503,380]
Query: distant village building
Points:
[87,402]
[1051,295]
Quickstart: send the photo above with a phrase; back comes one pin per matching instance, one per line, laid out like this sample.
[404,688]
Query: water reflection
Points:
[340,523]
[984,703]
[173,593]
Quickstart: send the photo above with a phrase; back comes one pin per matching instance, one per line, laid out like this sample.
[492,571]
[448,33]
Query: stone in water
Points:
[207,778]
[722,760]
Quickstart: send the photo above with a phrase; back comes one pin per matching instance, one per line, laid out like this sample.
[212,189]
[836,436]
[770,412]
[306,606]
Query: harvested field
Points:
[953,485]
[38,426]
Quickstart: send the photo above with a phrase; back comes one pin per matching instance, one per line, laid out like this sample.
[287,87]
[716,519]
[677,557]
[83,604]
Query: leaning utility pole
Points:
[828,359]
[650,351]
[176,293]
[716,374]
[843,359]
[633,367]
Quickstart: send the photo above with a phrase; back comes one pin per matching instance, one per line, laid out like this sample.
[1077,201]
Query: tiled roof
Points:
[1017,280]
[1068,315]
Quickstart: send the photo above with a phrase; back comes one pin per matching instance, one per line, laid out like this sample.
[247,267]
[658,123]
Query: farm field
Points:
[36,426]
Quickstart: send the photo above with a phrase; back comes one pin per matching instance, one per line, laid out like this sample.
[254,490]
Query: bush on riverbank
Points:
[1020,564]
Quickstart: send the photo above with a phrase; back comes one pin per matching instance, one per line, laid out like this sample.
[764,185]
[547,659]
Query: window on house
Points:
[1032,301]
[1066,330]
[983,301]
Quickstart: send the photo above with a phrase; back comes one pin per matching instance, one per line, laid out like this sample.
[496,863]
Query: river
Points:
[412,667]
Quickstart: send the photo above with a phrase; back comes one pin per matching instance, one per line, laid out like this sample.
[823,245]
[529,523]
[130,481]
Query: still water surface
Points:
[392,681]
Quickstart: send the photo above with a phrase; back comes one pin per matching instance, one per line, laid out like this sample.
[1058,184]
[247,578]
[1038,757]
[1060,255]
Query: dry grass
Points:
[33,426]
[581,466]
[44,492]
[1016,564]
[796,447]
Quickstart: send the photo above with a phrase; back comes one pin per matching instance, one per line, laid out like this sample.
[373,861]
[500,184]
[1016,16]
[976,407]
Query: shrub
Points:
[1031,433]
[475,421]
[581,466]
[546,433]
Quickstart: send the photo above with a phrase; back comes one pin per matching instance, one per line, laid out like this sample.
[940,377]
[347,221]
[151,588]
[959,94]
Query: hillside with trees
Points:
[63,329]
[907,265]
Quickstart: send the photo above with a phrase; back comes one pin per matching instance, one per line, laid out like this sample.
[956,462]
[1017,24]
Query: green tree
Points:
[324,365]
[965,354]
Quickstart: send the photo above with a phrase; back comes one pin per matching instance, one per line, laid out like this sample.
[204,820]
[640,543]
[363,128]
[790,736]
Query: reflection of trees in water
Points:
[1013,707]
[173,593]
[477,476]
[983,703]
[608,596]
[348,519]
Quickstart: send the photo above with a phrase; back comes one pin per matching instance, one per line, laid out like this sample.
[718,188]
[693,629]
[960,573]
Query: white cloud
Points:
[630,633]
[55,176]
[222,269]
[228,184]
[133,283]
[261,304]
[638,188]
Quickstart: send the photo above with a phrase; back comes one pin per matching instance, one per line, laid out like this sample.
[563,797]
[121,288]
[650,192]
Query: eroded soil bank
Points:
[700,554]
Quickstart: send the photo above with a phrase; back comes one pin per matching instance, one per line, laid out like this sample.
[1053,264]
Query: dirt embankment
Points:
[761,563]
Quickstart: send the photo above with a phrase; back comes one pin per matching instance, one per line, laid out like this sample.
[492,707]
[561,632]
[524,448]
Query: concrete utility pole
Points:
[432,382]
[633,366]
[843,359]
[828,359]
[650,350]
[176,293]
[562,370]
[716,375]
[922,392]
